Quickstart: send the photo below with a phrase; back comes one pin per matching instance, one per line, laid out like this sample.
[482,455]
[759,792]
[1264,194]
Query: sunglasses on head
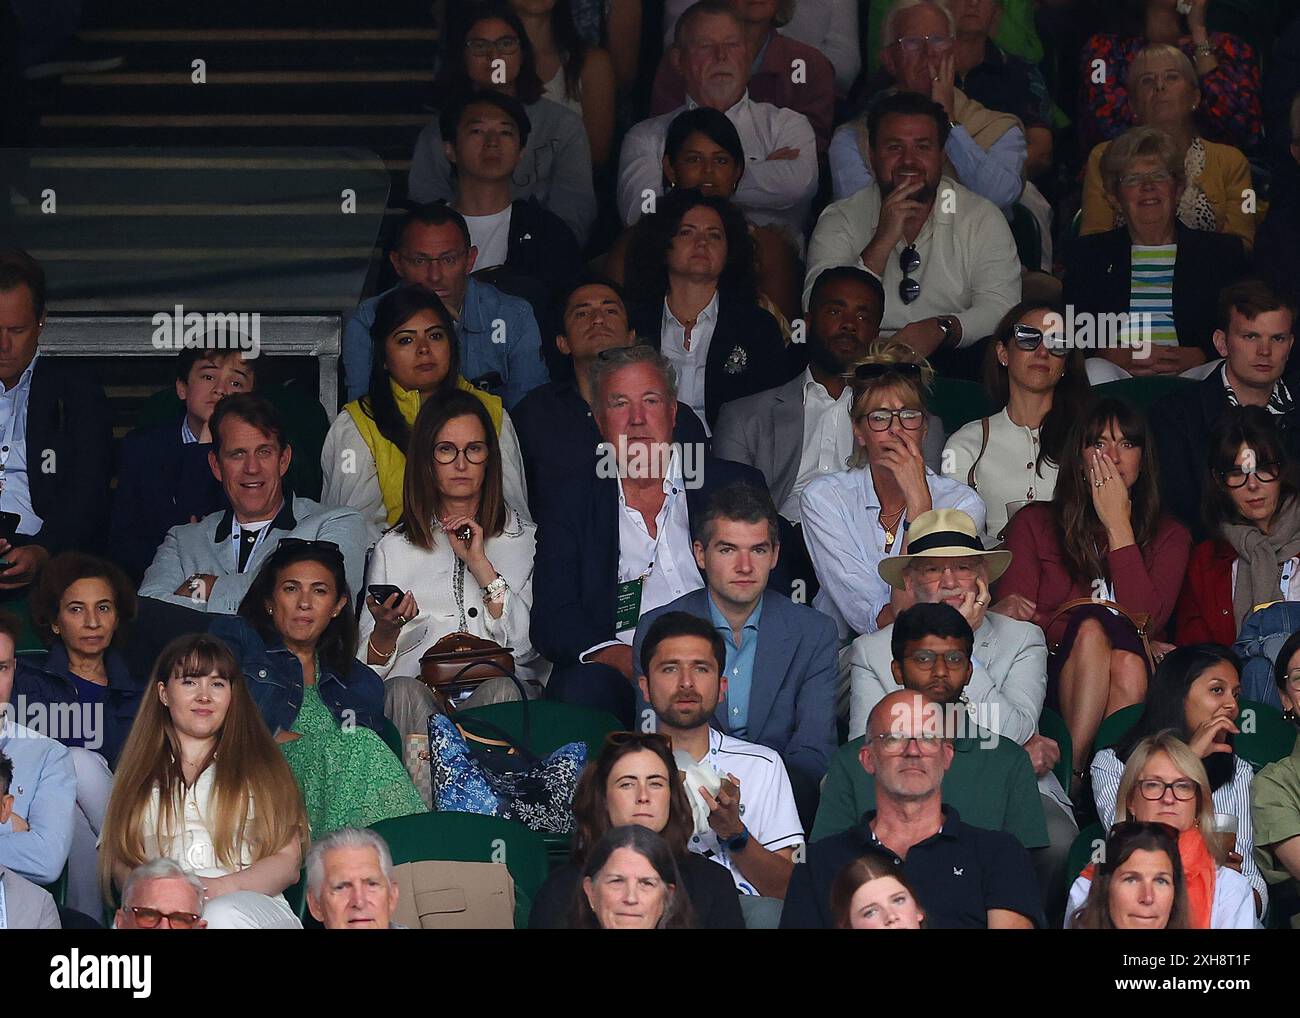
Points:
[1143,827]
[646,739]
[1027,337]
[909,260]
[875,369]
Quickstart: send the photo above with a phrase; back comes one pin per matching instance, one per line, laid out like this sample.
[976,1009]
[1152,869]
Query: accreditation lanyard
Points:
[237,536]
[628,595]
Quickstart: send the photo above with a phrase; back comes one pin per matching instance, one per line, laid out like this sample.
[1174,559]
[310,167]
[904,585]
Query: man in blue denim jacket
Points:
[500,346]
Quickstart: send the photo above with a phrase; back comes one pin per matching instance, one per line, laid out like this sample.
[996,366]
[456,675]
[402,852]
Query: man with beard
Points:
[945,256]
[745,815]
[557,432]
[966,878]
[802,429]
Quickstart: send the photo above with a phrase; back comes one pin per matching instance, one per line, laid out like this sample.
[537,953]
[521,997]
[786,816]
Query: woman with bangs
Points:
[1041,385]
[1251,506]
[202,782]
[1102,538]
[855,518]
[1195,694]
[1165,782]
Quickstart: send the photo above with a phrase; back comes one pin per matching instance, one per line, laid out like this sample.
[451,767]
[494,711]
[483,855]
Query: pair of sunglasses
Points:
[1027,337]
[909,260]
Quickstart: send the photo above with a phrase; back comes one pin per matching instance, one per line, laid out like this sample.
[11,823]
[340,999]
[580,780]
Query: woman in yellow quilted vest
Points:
[416,358]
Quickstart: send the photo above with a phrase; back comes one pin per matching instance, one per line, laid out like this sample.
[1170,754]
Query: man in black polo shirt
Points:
[964,877]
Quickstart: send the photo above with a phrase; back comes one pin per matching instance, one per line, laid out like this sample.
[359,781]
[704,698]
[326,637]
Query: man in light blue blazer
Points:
[781,656]
[209,565]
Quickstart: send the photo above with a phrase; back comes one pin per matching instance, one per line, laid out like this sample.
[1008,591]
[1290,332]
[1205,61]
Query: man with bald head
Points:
[964,877]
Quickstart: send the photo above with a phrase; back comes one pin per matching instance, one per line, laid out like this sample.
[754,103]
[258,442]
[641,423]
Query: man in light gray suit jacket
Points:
[23,905]
[781,669]
[1008,682]
[802,429]
[210,564]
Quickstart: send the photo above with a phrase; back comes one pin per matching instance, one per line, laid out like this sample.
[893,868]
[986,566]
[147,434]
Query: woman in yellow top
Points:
[416,357]
[1165,92]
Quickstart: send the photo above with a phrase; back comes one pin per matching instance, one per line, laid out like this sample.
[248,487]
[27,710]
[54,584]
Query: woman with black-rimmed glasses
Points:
[635,780]
[461,558]
[1251,507]
[1041,385]
[857,517]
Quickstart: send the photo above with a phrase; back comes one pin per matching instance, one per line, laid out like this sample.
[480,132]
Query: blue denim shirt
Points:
[44,689]
[274,677]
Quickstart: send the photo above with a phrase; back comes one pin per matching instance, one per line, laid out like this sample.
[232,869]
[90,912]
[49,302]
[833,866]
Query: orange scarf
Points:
[1198,876]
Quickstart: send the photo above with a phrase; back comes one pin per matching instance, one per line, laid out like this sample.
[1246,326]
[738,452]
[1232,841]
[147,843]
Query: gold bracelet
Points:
[379,653]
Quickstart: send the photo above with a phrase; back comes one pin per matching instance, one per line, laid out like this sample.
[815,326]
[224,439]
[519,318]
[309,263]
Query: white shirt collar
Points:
[673,480]
[709,313]
[743,100]
[811,384]
[25,379]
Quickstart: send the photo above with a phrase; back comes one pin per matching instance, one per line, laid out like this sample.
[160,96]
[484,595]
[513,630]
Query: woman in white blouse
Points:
[462,558]
[415,358]
[202,782]
[1041,385]
[1165,782]
[1194,694]
[855,518]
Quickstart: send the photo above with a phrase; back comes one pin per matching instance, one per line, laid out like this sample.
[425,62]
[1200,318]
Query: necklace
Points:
[891,527]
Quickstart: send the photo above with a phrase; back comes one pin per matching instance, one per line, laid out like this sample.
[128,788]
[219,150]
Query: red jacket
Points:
[1146,581]
[1204,612]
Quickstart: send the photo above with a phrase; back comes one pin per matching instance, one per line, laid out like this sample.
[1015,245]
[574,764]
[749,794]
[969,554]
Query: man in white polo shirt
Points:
[746,818]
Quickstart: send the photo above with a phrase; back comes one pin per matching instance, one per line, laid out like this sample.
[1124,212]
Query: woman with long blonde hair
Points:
[202,782]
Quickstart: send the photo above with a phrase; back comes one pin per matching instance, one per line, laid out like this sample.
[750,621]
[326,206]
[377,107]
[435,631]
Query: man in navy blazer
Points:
[781,656]
[615,542]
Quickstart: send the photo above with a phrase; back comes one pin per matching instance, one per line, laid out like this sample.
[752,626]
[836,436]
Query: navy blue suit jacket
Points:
[792,693]
[575,571]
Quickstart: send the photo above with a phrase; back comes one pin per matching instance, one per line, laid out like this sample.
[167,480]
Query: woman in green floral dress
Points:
[295,637]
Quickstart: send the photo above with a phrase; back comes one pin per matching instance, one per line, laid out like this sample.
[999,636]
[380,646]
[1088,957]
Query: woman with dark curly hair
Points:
[635,780]
[690,270]
[82,689]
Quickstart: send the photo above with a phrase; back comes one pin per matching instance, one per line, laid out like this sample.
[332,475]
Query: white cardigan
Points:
[352,479]
[1005,473]
[1233,907]
[430,576]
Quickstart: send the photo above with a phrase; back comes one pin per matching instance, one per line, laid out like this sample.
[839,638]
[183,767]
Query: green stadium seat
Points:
[1116,726]
[1272,738]
[957,402]
[471,837]
[1141,392]
[1080,854]
[392,738]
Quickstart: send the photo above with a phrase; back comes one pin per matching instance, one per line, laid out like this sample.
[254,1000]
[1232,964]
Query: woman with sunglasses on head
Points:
[1041,385]
[495,52]
[1101,538]
[690,278]
[201,782]
[855,518]
[1195,693]
[461,558]
[415,358]
[635,780]
[1137,885]
[1251,504]
[295,638]
[1275,792]
[1164,782]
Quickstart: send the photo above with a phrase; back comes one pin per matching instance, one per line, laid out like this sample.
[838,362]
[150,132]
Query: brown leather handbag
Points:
[1140,620]
[462,661]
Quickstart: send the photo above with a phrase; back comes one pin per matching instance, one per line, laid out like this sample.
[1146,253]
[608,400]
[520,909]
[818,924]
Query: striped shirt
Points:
[1151,294]
[1232,797]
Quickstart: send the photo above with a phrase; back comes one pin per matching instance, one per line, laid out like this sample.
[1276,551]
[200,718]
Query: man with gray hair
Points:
[159,895]
[615,542]
[350,883]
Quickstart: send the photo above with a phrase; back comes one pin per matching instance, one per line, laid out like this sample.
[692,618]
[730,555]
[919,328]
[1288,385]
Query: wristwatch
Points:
[949,333]
[737,844]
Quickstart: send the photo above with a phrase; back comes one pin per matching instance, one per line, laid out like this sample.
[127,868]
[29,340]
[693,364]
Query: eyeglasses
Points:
[1265,473]
[880,420]
[1153,790]
[448,452]
[506,45]
[909,260]
[877,369]
[298,544]
[1143,827]
[149,918]
[893,743]
[448,261]
[932,569]
[1138,179]
[916,43]
[926,658]
[646,740]
[1293,680]
[1027,337]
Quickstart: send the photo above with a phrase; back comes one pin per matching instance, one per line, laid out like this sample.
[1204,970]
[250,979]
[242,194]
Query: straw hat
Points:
[942,533]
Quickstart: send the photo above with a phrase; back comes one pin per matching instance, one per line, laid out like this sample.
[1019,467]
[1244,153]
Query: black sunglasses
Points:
[298,544]
[909,260]
[1027,337]
[867,372]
